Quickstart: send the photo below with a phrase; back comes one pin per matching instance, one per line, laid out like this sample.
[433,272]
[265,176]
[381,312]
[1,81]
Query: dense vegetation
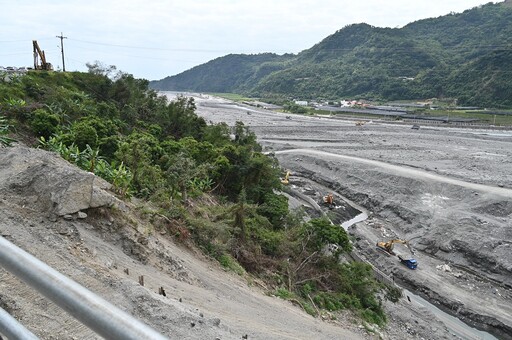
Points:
[465,56]
[206,183]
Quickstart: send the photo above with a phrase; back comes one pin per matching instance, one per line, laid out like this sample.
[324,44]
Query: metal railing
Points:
[96,313]
[12,329]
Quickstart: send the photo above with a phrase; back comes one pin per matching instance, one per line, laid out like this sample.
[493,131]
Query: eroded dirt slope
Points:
[108,248]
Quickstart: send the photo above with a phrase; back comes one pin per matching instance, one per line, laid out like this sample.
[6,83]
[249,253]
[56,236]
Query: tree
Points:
[181,171]
[99,68]
[44,123]
[323,232]
[240,214]
[275,208]
[139,153]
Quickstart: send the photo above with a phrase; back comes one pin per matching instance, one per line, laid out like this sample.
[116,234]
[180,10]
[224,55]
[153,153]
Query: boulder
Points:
[60,187]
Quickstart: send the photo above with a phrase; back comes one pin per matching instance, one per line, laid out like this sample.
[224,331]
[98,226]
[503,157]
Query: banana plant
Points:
[4,130]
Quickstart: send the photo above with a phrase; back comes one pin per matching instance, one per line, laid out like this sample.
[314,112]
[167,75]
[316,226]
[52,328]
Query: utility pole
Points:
[61,37]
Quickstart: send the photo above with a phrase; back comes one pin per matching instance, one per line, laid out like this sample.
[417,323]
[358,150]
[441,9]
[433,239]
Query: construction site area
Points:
[429,208]
[437,198]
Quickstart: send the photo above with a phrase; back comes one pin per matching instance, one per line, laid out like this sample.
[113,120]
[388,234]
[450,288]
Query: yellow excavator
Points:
[40,56]
[388,248]
[286,178]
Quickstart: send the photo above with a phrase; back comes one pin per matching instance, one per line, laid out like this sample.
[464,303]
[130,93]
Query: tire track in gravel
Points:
[405,171]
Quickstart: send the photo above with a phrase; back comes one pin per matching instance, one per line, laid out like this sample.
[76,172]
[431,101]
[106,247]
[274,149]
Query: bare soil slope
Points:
[106,251]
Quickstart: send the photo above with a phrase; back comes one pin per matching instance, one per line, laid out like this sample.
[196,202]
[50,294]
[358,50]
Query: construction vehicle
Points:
[329,201]
[389,246]
[286,178]
[40,62]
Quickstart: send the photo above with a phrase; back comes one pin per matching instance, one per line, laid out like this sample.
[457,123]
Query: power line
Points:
[21,40]
[61,37]
[155,48]
[136,56]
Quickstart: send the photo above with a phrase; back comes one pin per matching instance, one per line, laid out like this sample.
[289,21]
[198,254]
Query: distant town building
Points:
[301,102]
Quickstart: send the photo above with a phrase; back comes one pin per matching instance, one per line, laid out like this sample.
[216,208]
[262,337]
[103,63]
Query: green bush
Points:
[230,263]
[376,317]
[269,240]
[43,123]
[84,134]
[283,293]
[275,208]
[324,232]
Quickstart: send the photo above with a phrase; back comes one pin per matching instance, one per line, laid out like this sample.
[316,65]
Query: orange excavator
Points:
[389,246]
[329,201]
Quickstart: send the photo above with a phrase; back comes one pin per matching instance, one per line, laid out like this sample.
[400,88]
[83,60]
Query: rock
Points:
[143,240]
[445,247]
[100,198]
[53,184]
[444,268]
[64,230]
[68,217]
[82,215]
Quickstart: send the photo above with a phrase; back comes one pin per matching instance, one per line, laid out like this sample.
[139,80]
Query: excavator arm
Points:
[39,55]
[388,248]
[286,178]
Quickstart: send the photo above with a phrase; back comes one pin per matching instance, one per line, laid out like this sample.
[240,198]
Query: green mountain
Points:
[231,73]
[465,56]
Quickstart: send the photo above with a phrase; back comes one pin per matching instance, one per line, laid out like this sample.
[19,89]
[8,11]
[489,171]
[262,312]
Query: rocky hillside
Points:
[460,56]
[67,218]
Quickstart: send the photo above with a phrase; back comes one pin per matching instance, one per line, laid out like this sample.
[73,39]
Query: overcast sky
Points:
[156,38]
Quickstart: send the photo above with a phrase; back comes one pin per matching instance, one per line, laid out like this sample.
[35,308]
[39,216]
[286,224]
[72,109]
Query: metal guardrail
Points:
[96,313]
[12,329]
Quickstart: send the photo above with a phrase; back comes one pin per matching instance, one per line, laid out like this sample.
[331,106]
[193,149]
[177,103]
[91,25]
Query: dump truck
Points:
[389,248]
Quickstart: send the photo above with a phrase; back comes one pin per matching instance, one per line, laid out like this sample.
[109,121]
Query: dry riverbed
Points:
[447,190]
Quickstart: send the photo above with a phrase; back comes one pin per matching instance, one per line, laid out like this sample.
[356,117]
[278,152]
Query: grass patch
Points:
[232,96]
[230,263]
[483,118]
[284,293]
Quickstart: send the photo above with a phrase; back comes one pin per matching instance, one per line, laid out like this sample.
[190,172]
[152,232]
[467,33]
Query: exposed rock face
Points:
[29,171]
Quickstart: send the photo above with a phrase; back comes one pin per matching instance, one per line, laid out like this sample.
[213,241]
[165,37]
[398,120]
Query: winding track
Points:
[406,171]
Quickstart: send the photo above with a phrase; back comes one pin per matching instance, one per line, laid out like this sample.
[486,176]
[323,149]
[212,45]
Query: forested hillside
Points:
[206,185]
[234,72]
[464,56]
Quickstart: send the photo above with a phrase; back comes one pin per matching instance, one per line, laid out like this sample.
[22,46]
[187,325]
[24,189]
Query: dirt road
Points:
[404,171]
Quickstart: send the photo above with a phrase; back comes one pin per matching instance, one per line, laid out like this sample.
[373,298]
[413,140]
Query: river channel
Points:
[455,325]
